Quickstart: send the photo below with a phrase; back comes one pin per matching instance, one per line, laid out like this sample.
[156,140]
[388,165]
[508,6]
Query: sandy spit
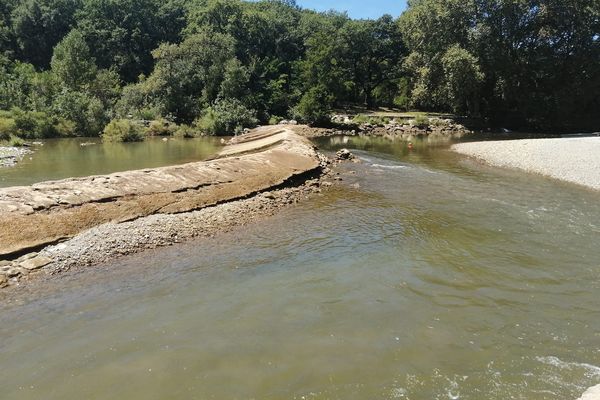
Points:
[575,160]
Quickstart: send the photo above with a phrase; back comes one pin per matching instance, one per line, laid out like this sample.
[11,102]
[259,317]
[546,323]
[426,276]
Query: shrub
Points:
[314,107]
[274,120]
[421,120]
[226,117]
[64,127]
[186,131]
[33,124]
[15,141]
[87,112]
[7,128]
[161,127]
[122,130]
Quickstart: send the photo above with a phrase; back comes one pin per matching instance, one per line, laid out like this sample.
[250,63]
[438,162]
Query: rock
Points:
[4,263]
[26,257]
[293,122]
[10,272]
[35,263]
[3,281]
[355,186]
[344,154]
[269,195]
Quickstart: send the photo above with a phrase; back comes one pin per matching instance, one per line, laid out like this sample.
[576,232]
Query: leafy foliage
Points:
[527,64]
[226,117]
[122,130]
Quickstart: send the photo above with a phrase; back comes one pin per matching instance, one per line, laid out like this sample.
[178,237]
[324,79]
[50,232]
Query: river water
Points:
[65,158]
[434,278]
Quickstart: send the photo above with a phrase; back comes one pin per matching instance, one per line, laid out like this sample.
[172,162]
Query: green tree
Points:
[72,62]
[38,25]
[463,78]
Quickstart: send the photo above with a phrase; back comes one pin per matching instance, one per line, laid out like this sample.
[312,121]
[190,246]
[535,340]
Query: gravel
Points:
[110,241]
[9,156]
[575,160]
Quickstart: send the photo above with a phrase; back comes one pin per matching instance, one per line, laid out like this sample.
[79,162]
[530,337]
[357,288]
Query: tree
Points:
[188,77]
[72,62]
[122,34]
[39,25]
[463,78]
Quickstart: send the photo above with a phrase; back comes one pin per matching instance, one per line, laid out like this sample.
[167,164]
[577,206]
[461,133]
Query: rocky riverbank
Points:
[115,238]
[396,128]
[10,156]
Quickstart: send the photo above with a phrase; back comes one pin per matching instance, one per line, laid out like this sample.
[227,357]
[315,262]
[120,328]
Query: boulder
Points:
[344,154]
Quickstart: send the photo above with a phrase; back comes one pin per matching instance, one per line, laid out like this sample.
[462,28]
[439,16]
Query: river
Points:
[64,158]
[424,276]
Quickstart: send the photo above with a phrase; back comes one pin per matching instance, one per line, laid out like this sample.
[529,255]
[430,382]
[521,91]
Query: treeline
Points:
[69,67]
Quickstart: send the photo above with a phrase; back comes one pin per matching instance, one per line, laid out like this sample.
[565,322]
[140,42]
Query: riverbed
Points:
[423,276]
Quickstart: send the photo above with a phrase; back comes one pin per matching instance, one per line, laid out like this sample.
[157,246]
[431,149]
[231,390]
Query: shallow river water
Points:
[435,279]
[65,158]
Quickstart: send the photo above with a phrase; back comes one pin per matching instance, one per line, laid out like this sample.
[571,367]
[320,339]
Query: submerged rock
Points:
[344,154]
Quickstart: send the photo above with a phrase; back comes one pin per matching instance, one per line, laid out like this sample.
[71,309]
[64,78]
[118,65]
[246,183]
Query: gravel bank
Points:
[110,241]
[575,160]
[9,156]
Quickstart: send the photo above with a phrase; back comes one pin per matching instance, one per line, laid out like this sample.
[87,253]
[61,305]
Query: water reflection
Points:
[64,158]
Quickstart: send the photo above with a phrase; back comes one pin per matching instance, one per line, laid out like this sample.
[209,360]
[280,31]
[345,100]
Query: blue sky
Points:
[357,8]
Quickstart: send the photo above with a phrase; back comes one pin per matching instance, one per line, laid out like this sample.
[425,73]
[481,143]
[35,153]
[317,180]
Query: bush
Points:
[226,117]
[122,130]
[161,127]
[314,107]
[15,141]
[7,128]
[421,120]
[274,120]
[186,131]
[87,112]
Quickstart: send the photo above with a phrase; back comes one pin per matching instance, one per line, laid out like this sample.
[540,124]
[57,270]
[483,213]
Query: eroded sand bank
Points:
[575,160]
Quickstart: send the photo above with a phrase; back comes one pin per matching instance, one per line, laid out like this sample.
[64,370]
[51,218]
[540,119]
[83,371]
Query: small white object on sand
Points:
[575,160]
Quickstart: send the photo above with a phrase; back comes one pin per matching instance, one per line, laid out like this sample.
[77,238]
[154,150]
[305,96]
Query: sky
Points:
[357,8]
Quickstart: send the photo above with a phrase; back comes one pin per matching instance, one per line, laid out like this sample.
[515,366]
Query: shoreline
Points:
[10,155]
[573,160]
[258,174]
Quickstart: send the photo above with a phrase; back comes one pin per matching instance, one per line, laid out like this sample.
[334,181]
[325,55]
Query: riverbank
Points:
[9,156]
[79,222]
[574,160]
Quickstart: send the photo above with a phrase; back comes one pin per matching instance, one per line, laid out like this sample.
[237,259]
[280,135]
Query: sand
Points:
[575,160]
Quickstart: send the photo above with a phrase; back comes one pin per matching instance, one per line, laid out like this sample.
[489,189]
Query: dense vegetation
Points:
[69,67]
